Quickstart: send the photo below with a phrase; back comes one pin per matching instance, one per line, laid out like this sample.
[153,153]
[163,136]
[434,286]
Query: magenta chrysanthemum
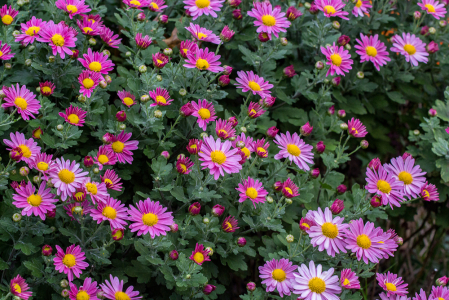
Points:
[108,36]
[405,171]
[67,176]
[356,128]
[184,165]
[361,7]
[338,59]
[32,202]
[137,3]
[97,62]
[253,190]
[71,210]
[18,287]
[202,34]
[248,81]
[111,180]
[187,47]
[392,284]
[429,192]
[289,189]
[385,185]
[278,275]
[88,291]
[247,144]
[113,288]
[5,52]
[142,42]
[89,80]
[349,280]
[74,115]
[200,254]
[411,47]
[439,292]
[111,210]
[197,8]
[127,98]
[42,162]
[204,111]
[59,36]
[22,99]
[293,148]
[269,20]
[161,97]
[105,157]
[434,8]
[332,8]
[150,217]
[29,147]
[30,31]
[370,48]
[157,5]
[255,110]
[202,59]
[89,27]
[73,7]
[97,191]
[8,14]
[70,262]
[122,146]
[224,129]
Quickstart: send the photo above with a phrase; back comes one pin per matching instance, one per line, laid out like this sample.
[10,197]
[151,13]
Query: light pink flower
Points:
[22,99]
[411,47]
[199,7]
[59,36]
[113,288]
[202,34]
[32,202]
[338,59]
[248,81]
[278,275]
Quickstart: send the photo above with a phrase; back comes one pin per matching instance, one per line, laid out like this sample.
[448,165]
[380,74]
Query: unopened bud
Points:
[432,30]
[142,69]
[168,51]
[206,221]
[182,92]
[82,98]
[16,217]
[319,65]
[289,238]
[344,126]
[243,129]
[60,127]
[157,114]
[284,41]
[92,41]
[64,283]
[144,98]
[336,25]
[28,62]
[360,75]
[51,59]
[128,54]
[270,199]
[416,132]
[159,78]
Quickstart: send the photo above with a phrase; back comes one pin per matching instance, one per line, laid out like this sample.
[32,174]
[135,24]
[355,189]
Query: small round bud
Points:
[251,286]
[432,112]
[106,52]
[142,69]
[36,179]
[174,227]
[188,276]
[103,84]
[64,283]
[442,23]
[108,79]
[307,5]
[53,228]
[232,138]
[122,126]
[78,210]
[206,221]
[241,242]
[16,217]
[15,33]
[28,62]
[173,255]
[51,59]
[8,66]
[96,170]
[417,15]
[13,172]
[319,65]
[348,47]
[144,98]
[364,144]
[100,295]
[128,54]
[288,201]
[24,171]
[2,94]
[344,126]
[269,199]
[47,250]
[165,154]
[82,98]
[65,293]
[341,113]
[38,90]
[182,92]
[432,30]
[31,48]
[157,114]
[243,129]
[284,41]
[240,144]
[168,51]
[203,135]
[360,75]
[141,17]
[336,25]
[416,132]
[159,78]
[60,127]
[290,238]
[210,251]
[92,41]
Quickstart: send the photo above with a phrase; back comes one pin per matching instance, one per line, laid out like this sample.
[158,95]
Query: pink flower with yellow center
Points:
[18,287]
[105,157]
[97,191]
[111,210]
[202,59]
[108,36]
[370,48]
[8,14]
[122,147]
[205,113]
[260,148]
[392,284]
[22,99]
[77,210]
[127,98]
[332,8]
[70,262]
[349,280]
[197,8]
[385,185]
[67,176]
[224,129]
[253,190]
[338,59]
[137,3]
[255,110]
[290,189]
[184,165]
[408,173]
[142,42]
[295,149]
[361,7]
[73,7]
[411,47]
[89,80]
[97,62]
[356,128]
[305,224]
[248,81]
[88,291]
[269,20]
[247,144]
[74,115]
[230,224]
[28,147]
[113,288]
[278,275]
[434,8]
[429,192]
[5,52]
[59,36]
[194,146]
[157,5]
[160,60]
[161,97]
[187,47]
[89,27]
[200,254]
[34,202]
[42,162]
[30,31]
[202,34]
[149,217]
[47,88]
[112,181]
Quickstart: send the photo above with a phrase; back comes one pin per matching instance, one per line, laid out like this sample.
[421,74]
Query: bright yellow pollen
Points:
[440,298]
[103,159]
[154,5]
[92,188]
[202,3]
[246,151]
[17,288]
[254,86]
[363,241]
[159,61]
[7,19]
[218,157]
[25,150]
[37,133]
[109,212]
[1,53]
[160,99]
[118,147]
[317,285]
[57,40]
[198,257]
[69,260]
[194,147]
[346,281]
[330,230]
[73,119]
[223,132]
[185,50]
[430,8]
[359,3]
[293,150]
[383,186]
[305,225]
[336,59]
[371,51]
[87,29]
[410,49]
[268,20]
[95,66]
[183,168]
[426,194]
[204,113]
[405,177]
[202,64]
[109,182]
[122,295]
[72,9]
[279,275]
[43,166]
[66,176]
[79,195]
[289,190]
[356,132]
[135,2]
[88,83]
[34,200]
[31,31]
[150,219]
[329,9]
[201,35]
[82,295]
[252,193]
[390,287]
[21,103]
[118,234]
[46,90]
[228,226]
[128,101]
[252,112]
[261,150]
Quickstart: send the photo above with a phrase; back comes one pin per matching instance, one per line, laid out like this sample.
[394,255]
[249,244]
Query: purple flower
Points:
[315,173]
[195,208]
[208,288]
[337,206]
[226,34]
[241,241]
[121,116]
[306,129]
[289,71]
[432,47]
[343,40]
[320,147]
[165,154]
[186,110]
[218,210]
[272,132]
[341,189]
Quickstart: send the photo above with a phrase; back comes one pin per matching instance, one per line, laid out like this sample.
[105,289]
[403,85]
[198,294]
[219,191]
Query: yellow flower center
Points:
[154,5]
[25,150]
[118,147]
[329,9]
[279,275]
[95,66]
[109,212]
[185,50]
[103,159]
[218,157]
[1,53]
[254,86]
[43,166]
[268,20]
[363,241]
[306,225]
[37,133]
[88,83]
[128,101]
[194,147]
[92,188]
[31,31]
[441,298]
[198,257]
[252,112]
[69,260]
[246,151]
[118,234]
[66,176]
[228,226]
[183,167]
[201,35]
[223,132]
[289,190]
[346,281]
[79,195]
[72,9]
[317,285]
[330,230]
[371,51]
[426,194]
[356,132]
[87,30]
[261,150]
[359,3]
[204,113]
[159,61]
[73,119]
[150,219]
[430,8]
[21,103]
[383,186]
[410,49]
[122,295]
[57,40]
[202,3]
[34,200]
[17,288]
[46,90]
[135,2]
[109,182]
[293,149]
[202,64]
[82,295]
[336,59]
[390,287]
[160,99]
[405,177]
[7,19]
[252,193]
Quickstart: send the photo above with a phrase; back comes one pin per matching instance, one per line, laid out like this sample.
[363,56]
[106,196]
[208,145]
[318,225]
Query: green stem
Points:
[94,234]
[276,171]
[251,166]
[9,117]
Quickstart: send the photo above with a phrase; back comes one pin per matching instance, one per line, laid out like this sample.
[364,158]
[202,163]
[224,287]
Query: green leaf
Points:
[396,97]
[235,262]
[35,266]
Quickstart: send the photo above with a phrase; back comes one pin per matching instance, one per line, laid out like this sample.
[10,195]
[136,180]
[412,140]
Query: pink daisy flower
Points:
[269,20]
[122,146]
[108,36]
[411,176]
[5,52]
[253,190]
[184,165]
[70,262]
[392,284]
[218,157]
[200,254]
[95,18]
[429,192]
[332,8]
[111,210]
[361,7]
[224,129]
[157,5]
[127,98]
[411,47]
[74,115]
[161,97]
[97,62]
[305,224]
[194,146]
[30,31]
[160,60]
[439,292]
[294,148]
[248,144]
[114,289]
[59,36]
[150,217]
[73,7]
[42,162]
[18,287]
[328,232]
[372,49]
[383,296]
[434,8]
[32,202]
[356,128]
[187,47]
[89,27]
[29,147]
[47,88]
[230,224]
[137,3]
[202,59]
[290,189]
[278,275]
[88,291]
[71,209]
[202,34]
[8,14]
[23,100]
[112,181]
[385,185]
[260,148]
[349,280]
[338,59]
[88,80]
[248,81]
[142,42]
[197,8]
[312,283]
[67,177]
[388,244]
[255,110]
[97,191]
[105,157]
[205,113]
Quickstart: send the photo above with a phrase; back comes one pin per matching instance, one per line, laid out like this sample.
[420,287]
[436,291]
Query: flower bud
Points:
[416,132]
[31,48]
[168,51]
[320,147]
[336,81]
[173,255]
[121,116]
[376,201]
[100,294]
[442,281]
[96,170]
[174,227]
[208,289]
[82,98]
[344,126]
[241,242]
[289,71]
[237,14]
[218,210]
[343,40]
[50,185]
[272,132]
[60,127]
[424,30]
[92,41]
[8,66]
[64,283]
[78,210]
[36,179]
[88,161]
[16,217]
[269,199]
[432,30]
[306,129]
[288,201]
[103,84]
[442,23]
[251,286]
[364,144]
[223,80]
[206,221]
[348,47]
[163,19]
[234,3]
[47,250]
[38,89]
[165,154]
[263,37]
[141,17]
[142,69]
[65,293]
[210,251]
[417,15]
[227,70]
[336,25]
[432,47]
[341,189]
[233,120]
[28,62]
[337,206]
[188,276]
[284,41]
[243,129]
[157,114]
[117,234]
[195,208]
[24,171]
[319,65]
[2,94]
[51,59]
[290,238]
[315,173]
[360,75]
[203,135]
